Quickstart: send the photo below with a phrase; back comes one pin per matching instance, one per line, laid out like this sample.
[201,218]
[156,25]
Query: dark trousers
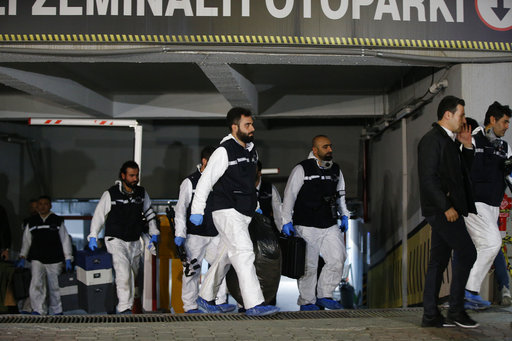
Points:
[501,271]
[448,237]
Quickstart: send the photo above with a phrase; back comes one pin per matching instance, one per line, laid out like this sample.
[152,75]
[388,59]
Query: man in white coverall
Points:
[314,194]
[230,175]
[488,179]
[121,209]
[46,243]
[201,242]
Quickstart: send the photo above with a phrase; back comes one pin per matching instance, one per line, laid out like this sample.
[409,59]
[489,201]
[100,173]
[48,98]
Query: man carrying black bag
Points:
[314,194]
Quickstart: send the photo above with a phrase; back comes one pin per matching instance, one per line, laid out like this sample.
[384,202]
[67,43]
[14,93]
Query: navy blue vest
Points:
[312,207]
[46,246]
[488,171]
[126,217]
[236,188]
[207,228]
[265,199]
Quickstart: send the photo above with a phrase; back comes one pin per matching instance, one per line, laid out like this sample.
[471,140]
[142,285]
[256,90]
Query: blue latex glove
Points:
[344,223]
[153,241]
[92,244]
[69,267]
[179,241]
[196,219]
[288,229]
[20,263]
[259,211]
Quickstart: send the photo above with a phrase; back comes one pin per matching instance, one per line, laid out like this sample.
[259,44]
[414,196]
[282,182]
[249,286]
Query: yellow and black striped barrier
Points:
[385,277]
[259,39]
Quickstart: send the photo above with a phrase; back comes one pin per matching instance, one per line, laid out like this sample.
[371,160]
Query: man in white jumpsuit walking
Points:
[124,209]
[201,242]
[314,194]
[488,178]
[46,243]
[230,174]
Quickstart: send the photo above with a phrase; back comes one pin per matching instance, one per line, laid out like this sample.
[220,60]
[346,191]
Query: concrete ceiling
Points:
[184,82]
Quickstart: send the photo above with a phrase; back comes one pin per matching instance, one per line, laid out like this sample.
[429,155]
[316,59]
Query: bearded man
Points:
[230,175]
[314,207]
[124,209]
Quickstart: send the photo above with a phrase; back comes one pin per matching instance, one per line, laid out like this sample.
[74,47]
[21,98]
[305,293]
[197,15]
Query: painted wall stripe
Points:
[260,39]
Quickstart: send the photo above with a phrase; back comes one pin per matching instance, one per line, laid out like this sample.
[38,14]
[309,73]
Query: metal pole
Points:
[366,149]
[404,213]
[137,148]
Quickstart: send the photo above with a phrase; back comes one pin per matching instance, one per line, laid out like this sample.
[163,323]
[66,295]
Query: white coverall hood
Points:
[478,129]
[324,164]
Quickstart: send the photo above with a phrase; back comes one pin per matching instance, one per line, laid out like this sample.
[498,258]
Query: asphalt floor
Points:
[361,324]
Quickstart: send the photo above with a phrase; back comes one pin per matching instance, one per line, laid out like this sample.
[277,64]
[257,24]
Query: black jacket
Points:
[126,219]
[207,228]
[444,174]
[317,194]
[235,188]
[46,246]
[488,170]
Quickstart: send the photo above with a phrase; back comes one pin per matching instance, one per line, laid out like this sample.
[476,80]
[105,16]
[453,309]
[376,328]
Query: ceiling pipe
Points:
[333,51]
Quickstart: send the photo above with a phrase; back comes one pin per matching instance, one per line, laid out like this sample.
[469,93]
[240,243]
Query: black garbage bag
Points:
[347,295]
[267,260]
[21,283]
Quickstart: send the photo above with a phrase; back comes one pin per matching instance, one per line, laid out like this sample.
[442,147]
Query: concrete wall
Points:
[482,84]
[385,157]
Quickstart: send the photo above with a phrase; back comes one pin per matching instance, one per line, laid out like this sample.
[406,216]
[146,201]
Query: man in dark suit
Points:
[446,196]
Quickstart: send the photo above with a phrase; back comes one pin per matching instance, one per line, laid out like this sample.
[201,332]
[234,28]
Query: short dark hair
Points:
[317,137]
[44,197]
[207,152]
[235,114]
[126,165]
[472,122]
[497,111]
[449,103]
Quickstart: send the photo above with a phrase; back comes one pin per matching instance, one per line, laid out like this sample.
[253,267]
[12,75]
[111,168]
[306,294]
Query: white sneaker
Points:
[506,300]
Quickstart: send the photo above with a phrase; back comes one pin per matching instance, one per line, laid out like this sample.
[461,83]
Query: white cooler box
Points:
[94,277]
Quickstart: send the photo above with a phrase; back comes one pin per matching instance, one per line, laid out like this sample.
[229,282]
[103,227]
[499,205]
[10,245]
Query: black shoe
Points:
[462,319]
[437,321]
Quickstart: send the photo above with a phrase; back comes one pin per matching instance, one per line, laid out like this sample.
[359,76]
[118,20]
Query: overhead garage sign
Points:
[440,24]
